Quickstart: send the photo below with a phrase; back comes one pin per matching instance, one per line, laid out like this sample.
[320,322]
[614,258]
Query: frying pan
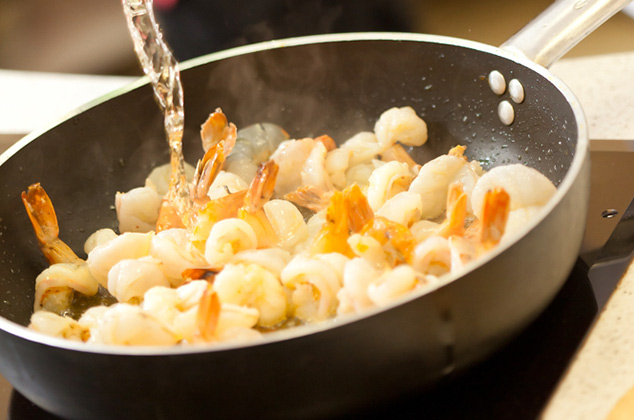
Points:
[335,84]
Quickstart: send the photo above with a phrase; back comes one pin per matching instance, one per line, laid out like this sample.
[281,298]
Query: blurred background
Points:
[90,36]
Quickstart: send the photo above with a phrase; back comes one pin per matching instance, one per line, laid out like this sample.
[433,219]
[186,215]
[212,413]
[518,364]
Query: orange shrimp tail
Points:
[191,274]
[398,153]
[214,211]
[458,151]
[262,186]
[497,206]
[41,212]
[217,128]
[310,197]
[333,236]
[261,225]
[454,224]
[207,170]
[397,240]
[208,314]
[168,217]
[327,141]
[358,210]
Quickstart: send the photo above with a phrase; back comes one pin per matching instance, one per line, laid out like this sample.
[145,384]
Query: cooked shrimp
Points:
[130,325]
[128,280]
[58,326]
[227,238]
[314,283]
[386,181]
[526,187]
[400,125]
[173,249]
[225,184]
[392,284]
[255,287]
[337,162]
[433,180]
[287,222]
[396,239]
[403,208]
[159,178]
[138,209]
[333,235]
[273,259]
[254,145]
[55,286]
[129,245]
[41,212]
[99,237]
[353,297]
[363,147]
[432,256]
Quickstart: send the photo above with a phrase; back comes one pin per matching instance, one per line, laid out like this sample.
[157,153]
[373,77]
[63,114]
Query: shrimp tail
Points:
[497,203]
[358,210]
[454,224]
[41,212]
[217,128]
[208,314]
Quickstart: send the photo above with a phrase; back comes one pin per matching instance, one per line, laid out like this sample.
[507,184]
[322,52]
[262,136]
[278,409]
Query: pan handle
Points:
[560,27]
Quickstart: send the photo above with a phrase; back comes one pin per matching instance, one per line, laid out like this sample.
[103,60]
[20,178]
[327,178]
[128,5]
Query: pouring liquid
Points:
[161,67]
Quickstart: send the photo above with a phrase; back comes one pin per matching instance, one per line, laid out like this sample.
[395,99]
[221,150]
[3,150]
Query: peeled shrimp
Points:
[55,325]
[433,180]
[353,297]
[287,222]
[99,237]
[392,284]
[130,245]
[255,287]
[526,186]
[128,280]
[138,209]
[404,208]
[176,254]
[254,145]
[130,325]
[227,238]
[314,285]
[386,181]
[400,125]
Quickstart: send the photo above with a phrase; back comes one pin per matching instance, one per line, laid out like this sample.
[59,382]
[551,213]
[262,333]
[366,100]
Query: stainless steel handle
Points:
[560,27]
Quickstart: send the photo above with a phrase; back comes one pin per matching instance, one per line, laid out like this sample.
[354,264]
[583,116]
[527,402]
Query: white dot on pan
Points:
[516,90]
[506,112]
[497,82]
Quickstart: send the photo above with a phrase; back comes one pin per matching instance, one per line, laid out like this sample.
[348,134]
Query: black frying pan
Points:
[337,84]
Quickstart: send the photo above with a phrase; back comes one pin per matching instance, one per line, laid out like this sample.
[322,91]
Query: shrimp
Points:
[227,238]
[55,286]
[255,287]
[130,245]
[396,239]
[130,325]
[99,237]
[246,205]
[287,222]
[55,325]
[433,180]
[392,284]
[128,280]
[176,254]
[306,157]
[314,283]
[400,125]
[254,145]
[404,208]
[386,181]
[353,297]
[138,209]
[528,191]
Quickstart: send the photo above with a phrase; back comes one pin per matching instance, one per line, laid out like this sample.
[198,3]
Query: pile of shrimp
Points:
[277,232]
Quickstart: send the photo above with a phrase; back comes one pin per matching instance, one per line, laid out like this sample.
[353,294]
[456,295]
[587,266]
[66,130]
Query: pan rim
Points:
[580,156]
